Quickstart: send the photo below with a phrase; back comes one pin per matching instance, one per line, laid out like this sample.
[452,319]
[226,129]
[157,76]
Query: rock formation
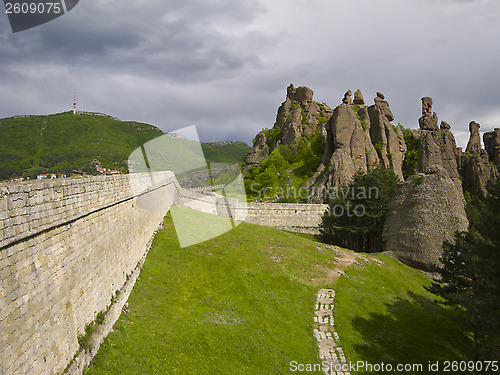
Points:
[492,146]
[388,141]
[429,120]
[437,145]
[348,150]
[475,165]
[358,98]
[357,141]
[426,211]
[259,151]
[428,208]
[383,106]
[474,144]
[347,98]
[297,116]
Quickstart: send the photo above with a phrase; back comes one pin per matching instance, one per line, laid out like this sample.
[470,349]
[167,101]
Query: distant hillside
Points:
[63,142]
[225,152]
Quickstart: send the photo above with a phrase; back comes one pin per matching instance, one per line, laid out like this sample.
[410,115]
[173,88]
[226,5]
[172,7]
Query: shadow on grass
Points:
[415,330]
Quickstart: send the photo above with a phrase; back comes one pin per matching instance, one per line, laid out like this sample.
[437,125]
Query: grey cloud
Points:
[224,65]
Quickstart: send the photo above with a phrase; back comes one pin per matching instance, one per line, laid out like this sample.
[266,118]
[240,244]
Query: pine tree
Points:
[356,213]
[470,276]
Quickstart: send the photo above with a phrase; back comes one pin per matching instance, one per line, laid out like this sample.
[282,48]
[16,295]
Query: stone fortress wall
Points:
[295,217]
[67,246]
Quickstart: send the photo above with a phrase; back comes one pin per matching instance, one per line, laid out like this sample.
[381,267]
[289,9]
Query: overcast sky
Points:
[224,65]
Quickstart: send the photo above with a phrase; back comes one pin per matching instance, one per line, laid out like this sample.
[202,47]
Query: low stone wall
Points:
[66,247]
[295,217]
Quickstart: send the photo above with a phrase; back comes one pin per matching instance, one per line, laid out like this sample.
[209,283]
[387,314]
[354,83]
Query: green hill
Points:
[225,152]
[243,303]
[63,142]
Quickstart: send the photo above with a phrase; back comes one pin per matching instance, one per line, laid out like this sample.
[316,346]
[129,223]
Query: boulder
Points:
[437,145]
[444,125]
[297,116]
[426,210]
[304,95]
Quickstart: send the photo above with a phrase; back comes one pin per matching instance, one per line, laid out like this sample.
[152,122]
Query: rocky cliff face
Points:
[298,116]
[357,138]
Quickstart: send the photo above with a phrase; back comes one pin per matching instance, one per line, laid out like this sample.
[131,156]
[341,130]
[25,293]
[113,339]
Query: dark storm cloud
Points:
[224,65]
[172,40]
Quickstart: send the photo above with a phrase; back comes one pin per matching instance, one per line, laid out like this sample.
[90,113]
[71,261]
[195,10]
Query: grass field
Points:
[243,303]
[384,314]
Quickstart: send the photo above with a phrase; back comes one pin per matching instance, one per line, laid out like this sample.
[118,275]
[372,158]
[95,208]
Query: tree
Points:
[356,213]
[470,276]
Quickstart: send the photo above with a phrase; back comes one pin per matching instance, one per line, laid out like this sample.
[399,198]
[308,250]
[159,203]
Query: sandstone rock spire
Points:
[429,120]
[358,98]
[474,144]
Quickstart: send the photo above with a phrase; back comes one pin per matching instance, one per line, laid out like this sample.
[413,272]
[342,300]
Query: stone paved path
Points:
[324,325]
[324,331]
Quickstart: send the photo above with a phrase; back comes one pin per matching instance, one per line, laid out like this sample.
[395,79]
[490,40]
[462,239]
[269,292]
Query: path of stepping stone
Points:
[329,350]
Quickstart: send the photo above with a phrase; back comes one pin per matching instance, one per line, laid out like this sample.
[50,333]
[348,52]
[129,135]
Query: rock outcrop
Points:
[428,208]
[348,150]
[437,144]
[426,211]
[259,151]
[474,144]
[429,119]
[475,165]
[297,116]
[358,98]
[492,146]
[358,138]
[388,140]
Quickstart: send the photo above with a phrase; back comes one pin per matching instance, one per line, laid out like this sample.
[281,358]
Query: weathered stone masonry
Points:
[66,247]
[294,217]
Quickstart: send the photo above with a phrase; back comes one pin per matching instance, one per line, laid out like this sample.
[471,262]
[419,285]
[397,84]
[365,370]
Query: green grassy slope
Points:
[242,303]
[384,314]
[63,142]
